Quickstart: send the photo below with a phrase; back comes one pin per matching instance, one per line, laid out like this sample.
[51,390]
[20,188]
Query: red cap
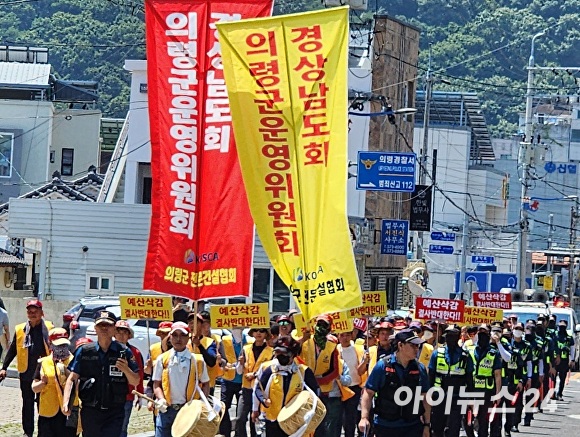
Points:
[400,324]
[164,327]
[34,303]
[81,341]
[58,336]
[384,325]
[325,317]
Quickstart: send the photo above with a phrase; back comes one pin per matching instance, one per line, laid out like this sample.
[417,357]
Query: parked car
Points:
[79,320]
[527,310]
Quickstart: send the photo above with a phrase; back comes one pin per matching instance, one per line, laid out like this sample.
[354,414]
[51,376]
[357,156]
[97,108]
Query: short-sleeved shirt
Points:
[378,378]
[179,367]
[75,364]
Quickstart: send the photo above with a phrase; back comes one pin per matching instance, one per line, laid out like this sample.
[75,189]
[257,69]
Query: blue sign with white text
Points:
[386,171]
[438,248]
[482,259]
[394,235]
[443,236]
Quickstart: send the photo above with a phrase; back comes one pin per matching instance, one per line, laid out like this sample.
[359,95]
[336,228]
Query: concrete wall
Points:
[16,307]
[77,129]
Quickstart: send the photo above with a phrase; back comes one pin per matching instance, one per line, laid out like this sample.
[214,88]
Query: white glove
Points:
[161,405]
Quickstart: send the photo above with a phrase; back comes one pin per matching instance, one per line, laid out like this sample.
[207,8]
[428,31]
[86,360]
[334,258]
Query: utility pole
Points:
[425,146]
[465,231]
[526,150]
[550,233]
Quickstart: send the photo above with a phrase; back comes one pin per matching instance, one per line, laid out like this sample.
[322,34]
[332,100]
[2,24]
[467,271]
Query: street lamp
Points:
[522,256]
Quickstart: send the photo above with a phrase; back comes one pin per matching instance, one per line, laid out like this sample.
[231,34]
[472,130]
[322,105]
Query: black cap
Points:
[105,317]
[408,336]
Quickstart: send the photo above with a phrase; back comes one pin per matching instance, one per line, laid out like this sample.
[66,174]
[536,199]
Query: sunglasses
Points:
[283,322]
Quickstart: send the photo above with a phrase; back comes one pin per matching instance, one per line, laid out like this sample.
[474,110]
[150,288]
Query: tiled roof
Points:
[10,260]
[73,190]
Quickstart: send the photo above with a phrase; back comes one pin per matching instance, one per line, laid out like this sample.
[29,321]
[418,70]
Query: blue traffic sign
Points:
[394,235]
[482,259]
[443,236]
[438,248]
[386,171]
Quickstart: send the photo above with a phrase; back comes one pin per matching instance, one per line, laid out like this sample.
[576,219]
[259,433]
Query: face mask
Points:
[320,333]
[284,360]
[562,329]
[530,337]
[427,335]
[482,339]
[452,340]
[552,324]
[518,333]
[60,352]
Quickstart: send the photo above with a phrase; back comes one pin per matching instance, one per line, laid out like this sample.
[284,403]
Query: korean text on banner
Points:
[253,315]
[478,315]
[134,306]
[202,234]
[444,310]
[341,322]
[287,82]
[374,305]
[502,301]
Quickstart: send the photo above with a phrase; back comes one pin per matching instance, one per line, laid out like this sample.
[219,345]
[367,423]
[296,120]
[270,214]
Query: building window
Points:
[269,288]
[6,148]
[66,163]
[575,135]
[100,283]
[146,195]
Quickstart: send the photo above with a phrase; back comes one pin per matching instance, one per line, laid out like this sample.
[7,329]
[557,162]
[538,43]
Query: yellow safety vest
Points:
[483,375]
[443,369]
[154,351]
[276,393]
[195,373]
[345,392]
[319,365]
[213,372]
[50,400]
[21,351]
[228,343]
[373,351]
[360,353]
[252,365]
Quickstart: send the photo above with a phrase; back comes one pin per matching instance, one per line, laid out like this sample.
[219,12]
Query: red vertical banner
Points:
[202,234]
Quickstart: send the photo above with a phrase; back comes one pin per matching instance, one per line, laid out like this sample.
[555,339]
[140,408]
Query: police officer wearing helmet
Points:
[450,368]
[391,373]
[104,369]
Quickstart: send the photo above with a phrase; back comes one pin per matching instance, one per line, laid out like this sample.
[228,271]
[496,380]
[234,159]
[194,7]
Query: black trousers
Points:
[407,431]
[562,370]
[101,423]
[514,418]
[244,410]
[274,430]
[55,426]
[350,412]
[484,425]
[451,421]
[28,398]
[228,390]
[529,414]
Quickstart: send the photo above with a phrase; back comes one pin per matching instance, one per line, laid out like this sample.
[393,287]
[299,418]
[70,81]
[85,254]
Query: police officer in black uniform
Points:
[104,370]
[565,354]
[450,368]
[517,377]
[537,350]
[393,373]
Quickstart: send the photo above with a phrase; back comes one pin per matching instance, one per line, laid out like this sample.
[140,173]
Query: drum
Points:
[192,420]
[292,416]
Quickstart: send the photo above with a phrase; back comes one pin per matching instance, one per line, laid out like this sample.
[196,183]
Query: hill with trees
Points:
[476,45]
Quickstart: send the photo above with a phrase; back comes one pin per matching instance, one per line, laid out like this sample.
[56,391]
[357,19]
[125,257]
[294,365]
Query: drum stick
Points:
[568,377]
[141,395]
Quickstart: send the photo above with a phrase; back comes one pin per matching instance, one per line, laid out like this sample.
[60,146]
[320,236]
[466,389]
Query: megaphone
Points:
[540,296]
[529,293]
[517,296]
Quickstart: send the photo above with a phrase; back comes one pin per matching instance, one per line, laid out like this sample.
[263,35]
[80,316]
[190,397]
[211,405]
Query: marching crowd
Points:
[399,376]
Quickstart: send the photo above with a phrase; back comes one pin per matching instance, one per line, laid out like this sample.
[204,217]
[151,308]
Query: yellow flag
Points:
[286,79]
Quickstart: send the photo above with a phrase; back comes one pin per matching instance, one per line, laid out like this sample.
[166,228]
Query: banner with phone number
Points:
[202,235]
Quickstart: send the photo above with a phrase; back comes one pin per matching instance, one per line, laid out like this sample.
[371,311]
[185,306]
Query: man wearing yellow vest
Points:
[158,348]
[252,358]
[383,346]
[320,354]
[280,383]
[357,360]
[49,380]
[178,376]
[230,349]
[30,342]
[205,346]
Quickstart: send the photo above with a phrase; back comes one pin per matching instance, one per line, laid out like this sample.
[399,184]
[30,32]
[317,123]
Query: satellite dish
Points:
[415,289]
[428,292]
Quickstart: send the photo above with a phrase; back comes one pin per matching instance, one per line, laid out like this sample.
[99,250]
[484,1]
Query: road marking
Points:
[575,377]
[574,416]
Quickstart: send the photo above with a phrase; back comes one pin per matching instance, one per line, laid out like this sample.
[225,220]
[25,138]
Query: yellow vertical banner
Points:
[286,79]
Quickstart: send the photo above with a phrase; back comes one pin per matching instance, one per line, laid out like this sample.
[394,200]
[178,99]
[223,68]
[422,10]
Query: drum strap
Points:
[212,411]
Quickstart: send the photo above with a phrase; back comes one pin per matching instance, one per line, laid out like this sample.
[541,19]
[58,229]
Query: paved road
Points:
[563,422]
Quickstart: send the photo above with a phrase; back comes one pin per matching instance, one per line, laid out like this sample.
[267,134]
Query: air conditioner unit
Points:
[360,5]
